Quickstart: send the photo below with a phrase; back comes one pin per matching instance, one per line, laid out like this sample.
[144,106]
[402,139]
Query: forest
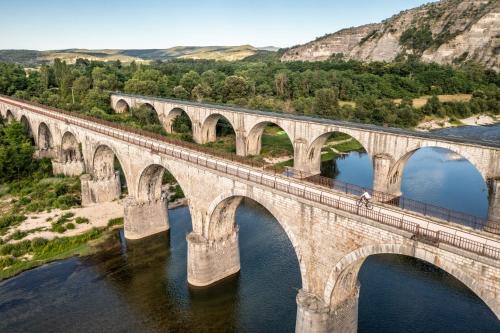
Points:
[347,90]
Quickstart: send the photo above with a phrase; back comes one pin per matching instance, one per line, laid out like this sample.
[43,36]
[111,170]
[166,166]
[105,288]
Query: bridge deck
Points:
[420,227]
[320,120]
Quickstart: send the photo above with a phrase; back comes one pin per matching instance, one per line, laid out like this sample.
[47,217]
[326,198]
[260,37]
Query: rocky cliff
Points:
[448,31]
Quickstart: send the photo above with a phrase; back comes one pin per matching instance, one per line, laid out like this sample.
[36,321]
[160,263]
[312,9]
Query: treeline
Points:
[295,87]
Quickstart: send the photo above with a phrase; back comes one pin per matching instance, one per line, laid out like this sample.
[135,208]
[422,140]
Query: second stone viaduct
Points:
[330,234]
[389,148]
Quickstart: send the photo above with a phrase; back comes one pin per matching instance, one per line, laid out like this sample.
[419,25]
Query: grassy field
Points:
[421,101]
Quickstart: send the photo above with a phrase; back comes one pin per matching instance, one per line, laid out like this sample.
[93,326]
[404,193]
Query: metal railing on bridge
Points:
[426,235]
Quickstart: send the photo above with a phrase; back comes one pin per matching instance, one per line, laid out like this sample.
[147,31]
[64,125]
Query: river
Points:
[141,286]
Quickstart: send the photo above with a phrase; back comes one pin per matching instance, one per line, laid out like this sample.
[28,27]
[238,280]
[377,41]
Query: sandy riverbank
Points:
[476,120]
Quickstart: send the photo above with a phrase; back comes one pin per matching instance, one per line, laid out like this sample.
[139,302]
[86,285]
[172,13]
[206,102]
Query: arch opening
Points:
[227,213]
[9,116]
[259,246]
[106,165]
[70,148]
[45,140]
[430,174]
[376,275]
[178,122]
[218,132]
[338,155]
[271,143]
[147,117]
[122,106]
[156,182]
[27,126]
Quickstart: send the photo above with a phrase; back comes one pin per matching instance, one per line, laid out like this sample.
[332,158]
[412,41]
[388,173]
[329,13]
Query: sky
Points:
[133,24]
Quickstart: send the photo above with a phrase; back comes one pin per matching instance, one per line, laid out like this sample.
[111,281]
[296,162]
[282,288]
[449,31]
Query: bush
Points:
[10,220]
[117,221]
[81,220]
[38,242]
[58,228]
[18,234]
[70,226]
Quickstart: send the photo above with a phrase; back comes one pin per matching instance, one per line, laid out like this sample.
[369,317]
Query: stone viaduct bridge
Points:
[330,234]
[389,148]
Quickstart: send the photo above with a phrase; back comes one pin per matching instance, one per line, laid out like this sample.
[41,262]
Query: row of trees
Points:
[296,87]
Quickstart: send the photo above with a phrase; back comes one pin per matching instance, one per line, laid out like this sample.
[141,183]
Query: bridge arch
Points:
[121,106]
[209,127]
[221,221]
[398,169]
[27,125]
[173,115]
[151,179]
[103,163]
[70,148]
[344,276]
[254,137]
[314,151]
[9,116]
[45,139]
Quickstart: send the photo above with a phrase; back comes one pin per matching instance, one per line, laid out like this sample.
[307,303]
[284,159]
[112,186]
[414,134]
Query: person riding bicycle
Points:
[365,197]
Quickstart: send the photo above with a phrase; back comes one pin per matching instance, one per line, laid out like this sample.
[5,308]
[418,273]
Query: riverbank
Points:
[58,234]
[429,124]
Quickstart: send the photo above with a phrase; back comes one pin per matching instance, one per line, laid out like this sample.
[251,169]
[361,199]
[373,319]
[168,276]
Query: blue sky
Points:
[59,24]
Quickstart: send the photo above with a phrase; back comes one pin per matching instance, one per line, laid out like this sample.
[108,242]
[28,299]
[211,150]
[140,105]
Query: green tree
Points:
[326,102]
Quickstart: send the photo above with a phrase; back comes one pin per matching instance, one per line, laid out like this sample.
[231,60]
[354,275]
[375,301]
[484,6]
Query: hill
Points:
[230,53]
[448,31]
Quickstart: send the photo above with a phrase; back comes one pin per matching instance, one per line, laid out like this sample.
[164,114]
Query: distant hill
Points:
[230,53]
[448,31]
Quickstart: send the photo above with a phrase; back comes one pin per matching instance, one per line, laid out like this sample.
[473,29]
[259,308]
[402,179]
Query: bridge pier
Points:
[384,179]
[241,145]
[68,168]
[45,153]
[209,261]
[303,166]
[494,206]
[144,219]
[100,189]
[312,314]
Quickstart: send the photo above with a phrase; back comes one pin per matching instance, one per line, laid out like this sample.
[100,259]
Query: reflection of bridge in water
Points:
[331,235]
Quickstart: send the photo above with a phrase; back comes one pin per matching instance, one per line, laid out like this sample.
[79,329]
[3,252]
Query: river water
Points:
[141,286]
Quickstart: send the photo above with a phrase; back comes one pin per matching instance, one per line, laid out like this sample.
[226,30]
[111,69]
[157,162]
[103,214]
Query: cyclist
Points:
[365,198]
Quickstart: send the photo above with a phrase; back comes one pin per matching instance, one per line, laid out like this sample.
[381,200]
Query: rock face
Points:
[449,31]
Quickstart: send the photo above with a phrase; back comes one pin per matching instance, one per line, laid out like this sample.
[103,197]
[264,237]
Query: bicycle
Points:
[362,201]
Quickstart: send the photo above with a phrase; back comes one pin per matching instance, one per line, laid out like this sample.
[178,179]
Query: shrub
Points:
[38,242]
[18,234]
[81,220]
[70,226]
[58,228]
[117,221]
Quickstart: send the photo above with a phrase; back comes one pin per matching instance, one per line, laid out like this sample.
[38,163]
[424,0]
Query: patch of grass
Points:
[43,251]
[348,146]
[18,234]
[275,142]
[116,221]
[70,226]
[10,221]
[58,228]
[81,220]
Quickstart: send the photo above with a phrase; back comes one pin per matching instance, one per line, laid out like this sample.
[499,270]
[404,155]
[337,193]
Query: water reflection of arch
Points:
[343,278]
[221,220]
